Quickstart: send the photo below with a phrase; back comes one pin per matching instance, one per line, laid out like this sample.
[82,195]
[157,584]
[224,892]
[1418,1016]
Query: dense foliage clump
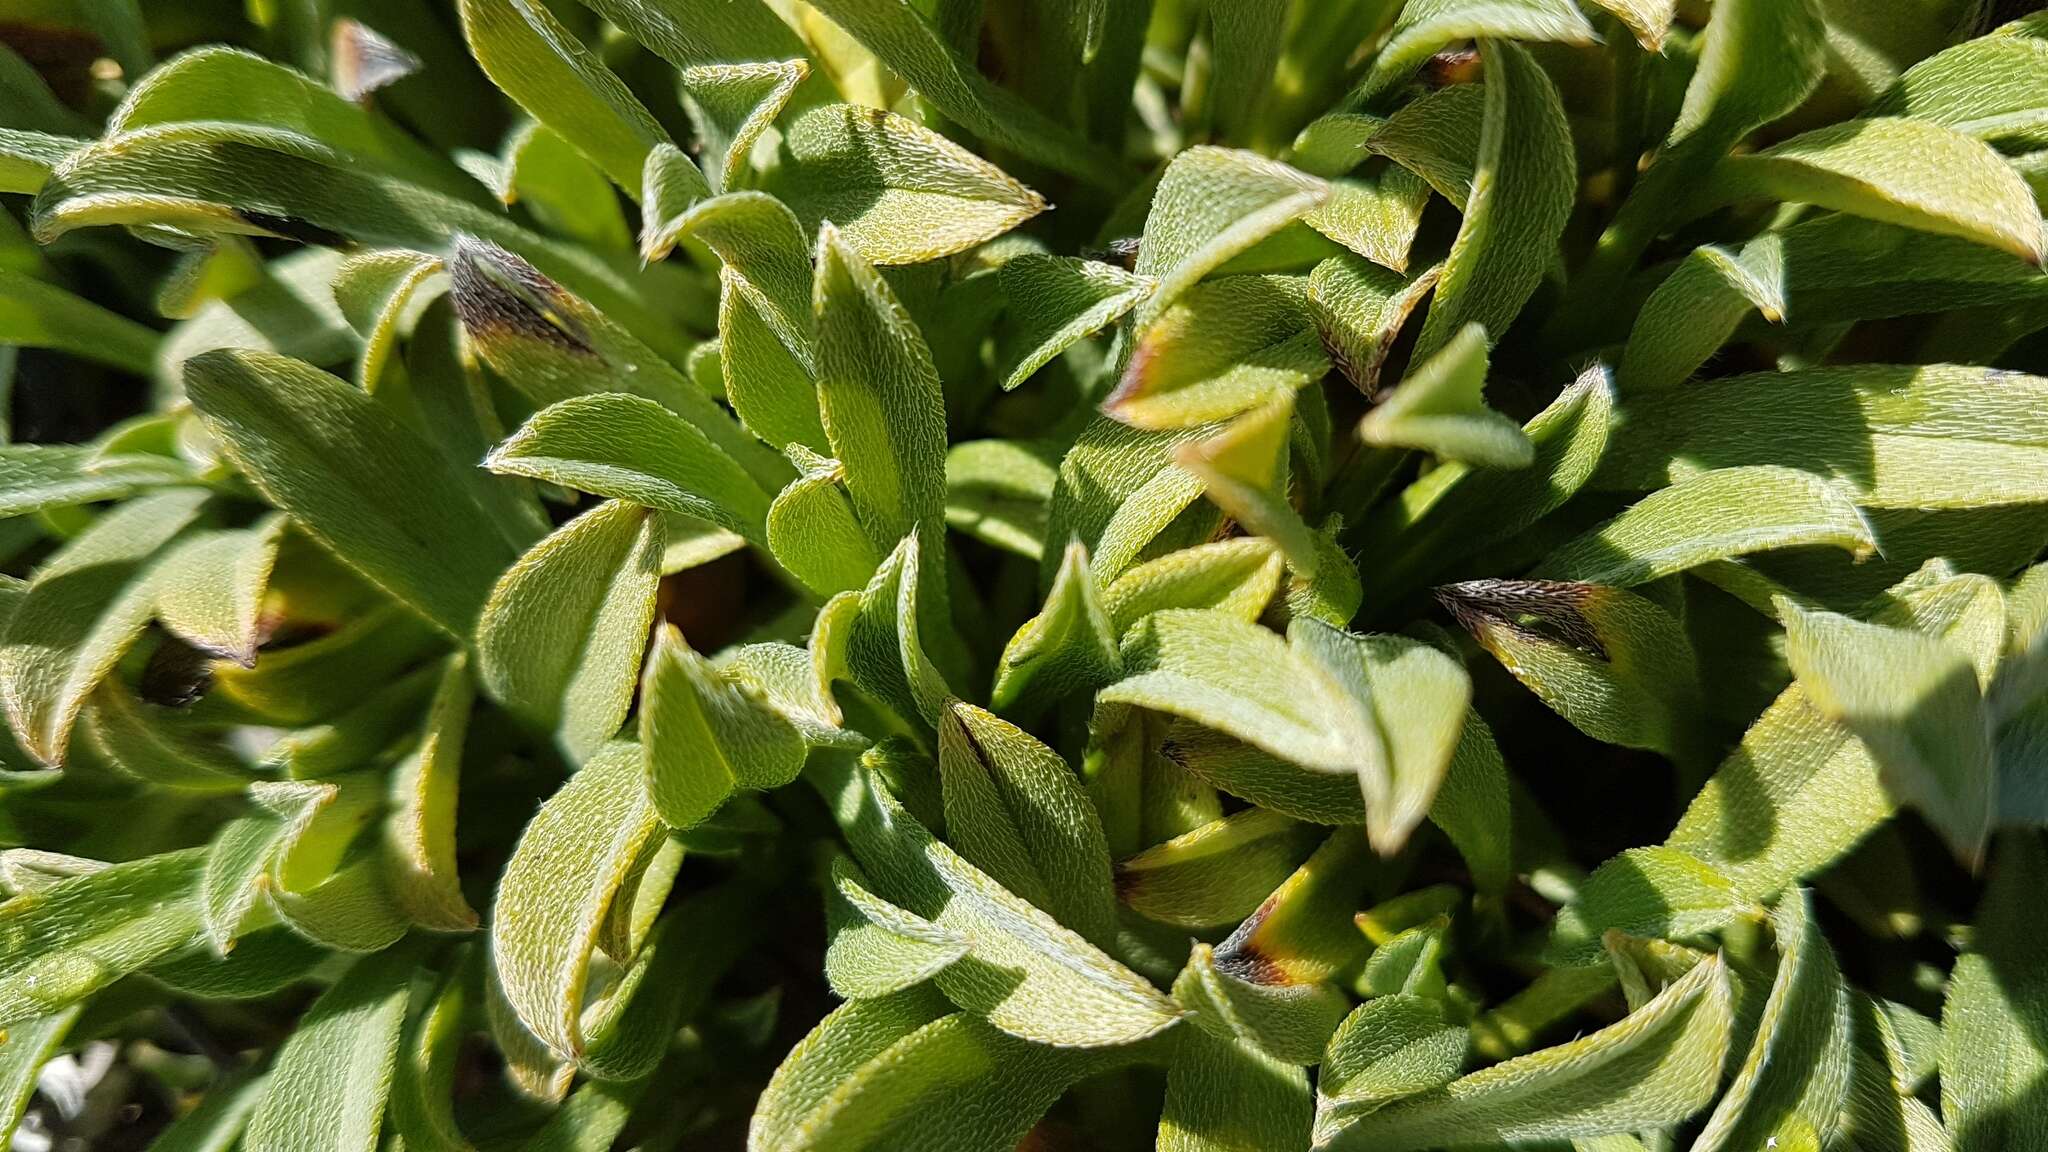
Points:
[970,575]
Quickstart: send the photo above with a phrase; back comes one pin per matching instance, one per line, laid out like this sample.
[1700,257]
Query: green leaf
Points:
[907,42]
[997,492]
[34,314]
[1377,220]
[226,84]
[732,104]
[897,192]
[1231,675]
[1455,512]
[1360,309]
[1227,346]
[78,935]
[1472,807]
[1916,703]
[1386,709]
[1839,268]
[895,1073]
[1697,308]
[1246,38]
[265,963]
[708,732]
[1815,782]
[332,1078]
[1436,136]
[1025,973]
[1656,1067]
[564,85]
[24,870]
[1305,932]
[564,190]
[1224,1096]
[227,267]
[1389,1048]
[558,887]
[559,641]
[531,1069]
[86,605]
[319,880]
[35,477]
[1617,665]
[1334,143]
[1711,516]
[376,291]
[590,1119]
[1237,576]
[369,489]
[1989,87]
[1244,471]
[552,345]
[2024,673]
[1418,699]
[1211,205]
[319,680]
[239,859]
[689,32]
[877,949]
[423,1089]
[1904,172]
[1991,1023]
[209,178]
[419,837]
[1263,778]
[1427,27]
[1056,301]
[813,531]
[1792,1085]
[1439,408]
[1017,811]
[629,448]
[1648,893]
[1935,436]
[886,655]
[444,393]
[158,745]
[670,979]
[1069,647]
[880,397]
[1117,491]
[1217,874]
[1523,186]
[670,186]
[209,589]
[1878,1114]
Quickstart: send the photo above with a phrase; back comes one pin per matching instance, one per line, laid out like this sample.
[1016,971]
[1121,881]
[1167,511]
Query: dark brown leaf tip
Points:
[1245,960]
[499,296]
[1246,955]
[364,61]
[1549,609]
